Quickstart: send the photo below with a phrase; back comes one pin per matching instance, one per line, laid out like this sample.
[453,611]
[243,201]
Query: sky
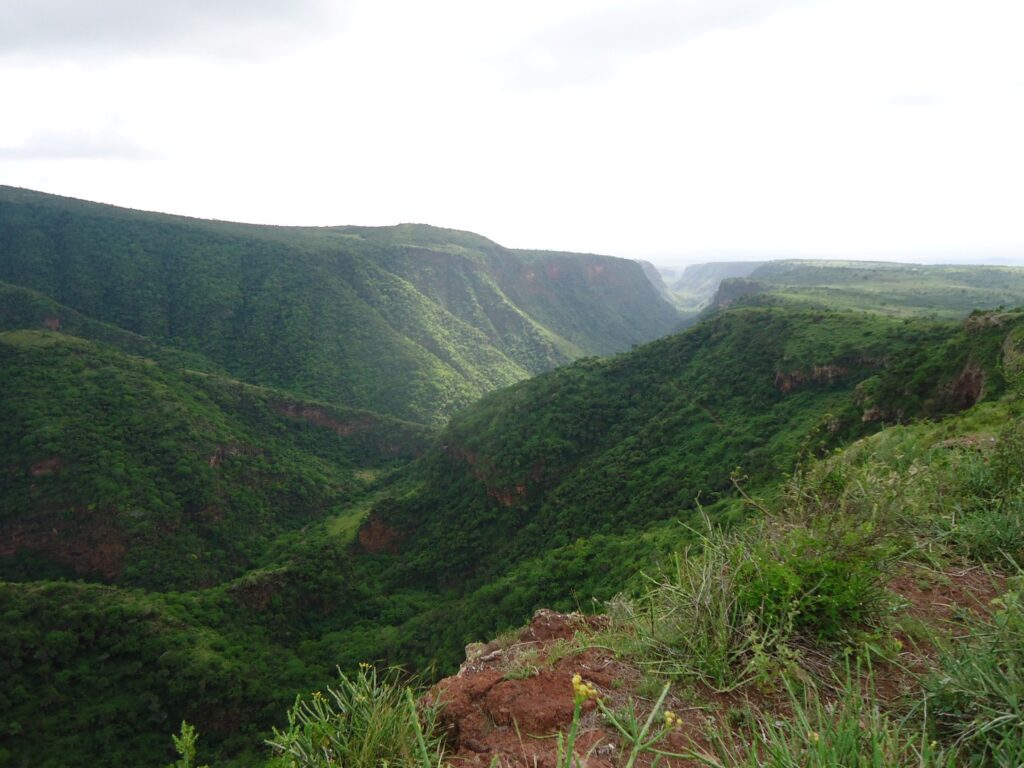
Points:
[676,131]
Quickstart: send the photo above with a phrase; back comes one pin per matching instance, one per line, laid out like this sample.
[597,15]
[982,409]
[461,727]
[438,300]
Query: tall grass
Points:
[977,694]
[741,609]
[849,730]
[367,721]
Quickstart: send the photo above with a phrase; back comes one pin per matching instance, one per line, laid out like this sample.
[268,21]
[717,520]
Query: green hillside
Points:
[549,493]
[122,470]
[583,461]
[411,321]
[900,290]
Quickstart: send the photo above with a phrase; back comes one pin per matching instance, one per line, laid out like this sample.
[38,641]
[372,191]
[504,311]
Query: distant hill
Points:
[412,321]
[899,290]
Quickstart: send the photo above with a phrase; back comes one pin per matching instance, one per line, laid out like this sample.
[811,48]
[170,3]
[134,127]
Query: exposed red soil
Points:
[968,388]
[322,418]
[50,466]
[376,536]
[231,450]
[256,596]
[940,596]
[87,542]
[510,700]
[507,496]
[788,381]
[508,703]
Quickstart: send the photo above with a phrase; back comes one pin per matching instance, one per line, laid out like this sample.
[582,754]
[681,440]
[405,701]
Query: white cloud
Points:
[837,126]
[106,28]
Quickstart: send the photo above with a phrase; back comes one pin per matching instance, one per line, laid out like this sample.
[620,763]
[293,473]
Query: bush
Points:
[820,587]
[735,612]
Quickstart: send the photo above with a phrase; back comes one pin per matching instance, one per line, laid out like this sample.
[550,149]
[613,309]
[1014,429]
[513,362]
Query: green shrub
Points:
[817,586]
[366,722]
[734,612]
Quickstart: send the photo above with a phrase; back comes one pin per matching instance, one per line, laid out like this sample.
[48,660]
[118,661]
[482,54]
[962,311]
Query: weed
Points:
[733,613]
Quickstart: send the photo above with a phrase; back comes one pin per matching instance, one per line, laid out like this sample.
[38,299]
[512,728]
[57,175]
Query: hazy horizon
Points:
[659,129]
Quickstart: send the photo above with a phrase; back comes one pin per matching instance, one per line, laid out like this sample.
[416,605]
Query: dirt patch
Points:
[968,388]
[321,417]
[941,596]
[375,536]
[509,702]
[230,451]
[50,466]
[255,596]
[88,542]
[789,381]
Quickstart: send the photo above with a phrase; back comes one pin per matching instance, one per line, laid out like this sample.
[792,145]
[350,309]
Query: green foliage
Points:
[977,695]
[602,447]
[117,469]
[852,730]
[185,746]
[128,455]
[366,721]
[812,582]
[737,610]
[897,290]
[411,321]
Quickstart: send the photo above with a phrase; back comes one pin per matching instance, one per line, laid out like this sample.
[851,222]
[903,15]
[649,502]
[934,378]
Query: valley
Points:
[236,459]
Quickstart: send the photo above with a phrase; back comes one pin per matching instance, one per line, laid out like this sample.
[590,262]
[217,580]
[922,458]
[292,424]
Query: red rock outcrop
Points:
[87,542]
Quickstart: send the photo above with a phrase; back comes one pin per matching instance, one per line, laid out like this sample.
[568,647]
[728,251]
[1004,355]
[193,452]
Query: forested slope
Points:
[412,321]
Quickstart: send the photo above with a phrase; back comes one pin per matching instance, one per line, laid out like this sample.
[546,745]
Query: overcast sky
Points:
[645,128]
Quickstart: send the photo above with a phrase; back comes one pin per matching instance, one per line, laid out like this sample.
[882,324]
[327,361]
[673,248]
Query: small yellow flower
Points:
[582,690]
[815,738]
[672,720]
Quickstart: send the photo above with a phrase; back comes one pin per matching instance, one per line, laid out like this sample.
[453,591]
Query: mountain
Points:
[410,321]
[121,470]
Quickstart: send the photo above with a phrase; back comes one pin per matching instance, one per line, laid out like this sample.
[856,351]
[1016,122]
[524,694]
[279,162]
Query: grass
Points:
[851,729]
[741,609]
[367,721]
[976,695]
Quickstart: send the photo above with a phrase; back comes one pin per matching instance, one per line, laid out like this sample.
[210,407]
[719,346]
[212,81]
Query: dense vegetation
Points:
[411,321]
[900,290]
[122,470]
